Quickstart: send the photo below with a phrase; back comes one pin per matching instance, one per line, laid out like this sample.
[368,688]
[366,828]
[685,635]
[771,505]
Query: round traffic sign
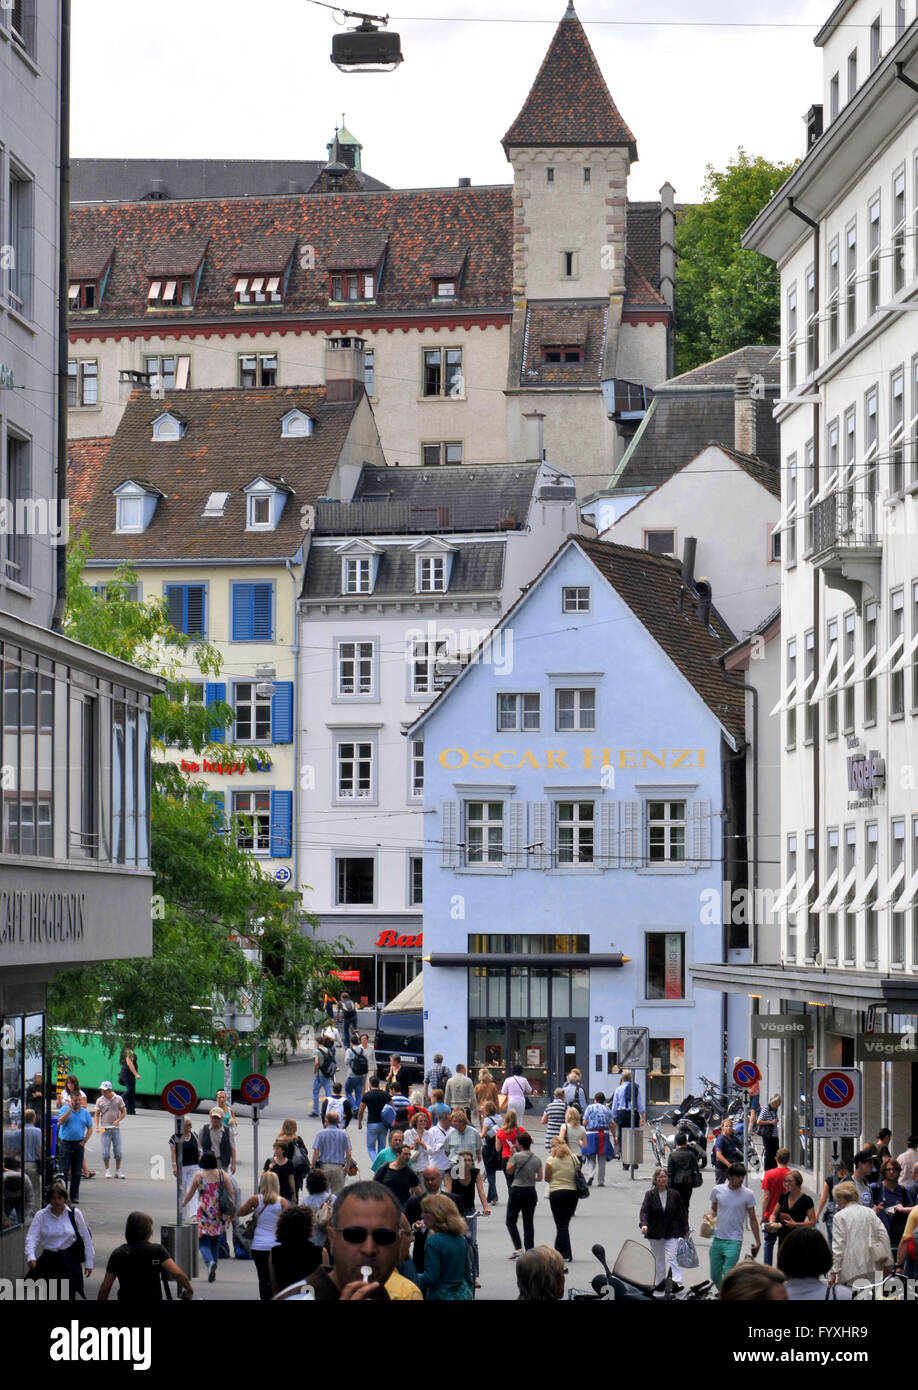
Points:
[836,1090]
[228,1037]
[255,1088]
[282,875]
[746,1073]
[179,1097]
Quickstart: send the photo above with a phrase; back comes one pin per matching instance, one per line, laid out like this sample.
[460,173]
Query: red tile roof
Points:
[84,460]
[232,437]
[569,102]
[426,233]
[178,255]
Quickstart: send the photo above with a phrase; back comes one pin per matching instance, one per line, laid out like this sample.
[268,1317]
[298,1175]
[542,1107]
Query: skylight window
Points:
[216,504]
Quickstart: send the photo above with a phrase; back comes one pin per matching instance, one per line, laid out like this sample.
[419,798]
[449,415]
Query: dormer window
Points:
[357,574]
[264,504]
[258,289]
[446,289]
[135,504]
[431,574]
[170,294]
[83,294]
[216,504]
[167,427]
[296,424]
[569,352]
[355,286]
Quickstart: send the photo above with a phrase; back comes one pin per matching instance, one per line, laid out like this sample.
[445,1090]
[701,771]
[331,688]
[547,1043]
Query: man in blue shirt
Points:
[74,1126]
[627,1098]
[598,1118]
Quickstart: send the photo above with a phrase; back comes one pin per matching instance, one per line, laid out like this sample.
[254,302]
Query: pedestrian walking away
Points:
[663,1221]
[524,1171]
[109,1112]
[216,1209]
[553,1116]
[266,1208]
[683,1171]
[490,1121]
[516,1088]
[323,1068]
[128,1077]
[597,1119]
[860,1242]
[804,1258]
[561,1169]
[58,1244]
[337,1104]
[436,1077]
[74,1127]
[294,1257]
[447,1258]
[506,1138]
[332,1152]
[574,1094]
[486,1090]
[139,1265]
[460,1092]
[319,1200]
[626,1102]
[358,1066]
[572,1131]
[731,1202]
[373,1103]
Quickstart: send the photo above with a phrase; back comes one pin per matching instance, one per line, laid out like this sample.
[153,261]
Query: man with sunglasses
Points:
[363,1235]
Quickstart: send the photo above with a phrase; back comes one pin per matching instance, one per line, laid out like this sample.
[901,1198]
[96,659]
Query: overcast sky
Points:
[226,78]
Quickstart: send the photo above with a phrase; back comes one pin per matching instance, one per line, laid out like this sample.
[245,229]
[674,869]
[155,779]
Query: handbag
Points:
[697,1179]
[78,1248]
[583,1189]
[225,1200]
[686,1254]
[247,1231]
[708,1226]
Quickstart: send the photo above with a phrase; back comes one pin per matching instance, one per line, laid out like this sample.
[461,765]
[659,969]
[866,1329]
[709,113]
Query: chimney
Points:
[688,563]
[703,590]
[668,243]
[465,183]
[535,436]
[344,369]
[744,440]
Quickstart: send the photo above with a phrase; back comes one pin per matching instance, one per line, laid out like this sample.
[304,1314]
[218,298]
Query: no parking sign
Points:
[835,1102]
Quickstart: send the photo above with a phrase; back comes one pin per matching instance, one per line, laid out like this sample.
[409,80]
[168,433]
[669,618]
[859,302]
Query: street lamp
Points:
[366,48]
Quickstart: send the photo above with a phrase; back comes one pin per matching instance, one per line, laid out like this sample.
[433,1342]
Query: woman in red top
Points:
[506,1140]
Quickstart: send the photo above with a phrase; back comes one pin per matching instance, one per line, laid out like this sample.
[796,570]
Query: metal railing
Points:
[845,518]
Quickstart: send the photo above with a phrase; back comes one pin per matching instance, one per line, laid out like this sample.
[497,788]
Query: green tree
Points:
[210,898]
[726,296]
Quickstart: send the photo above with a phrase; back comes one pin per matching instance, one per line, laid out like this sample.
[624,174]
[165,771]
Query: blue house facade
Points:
[575,799]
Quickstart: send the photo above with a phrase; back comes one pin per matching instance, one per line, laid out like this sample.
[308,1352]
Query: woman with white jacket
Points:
[860,1243]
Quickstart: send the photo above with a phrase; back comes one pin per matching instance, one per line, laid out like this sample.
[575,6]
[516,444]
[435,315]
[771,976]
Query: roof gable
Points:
[569,102]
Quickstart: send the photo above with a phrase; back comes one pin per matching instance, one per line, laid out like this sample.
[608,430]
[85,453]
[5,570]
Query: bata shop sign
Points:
[400,943]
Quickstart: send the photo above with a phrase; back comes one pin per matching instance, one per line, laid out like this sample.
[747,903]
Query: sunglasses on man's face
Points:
[356,1235]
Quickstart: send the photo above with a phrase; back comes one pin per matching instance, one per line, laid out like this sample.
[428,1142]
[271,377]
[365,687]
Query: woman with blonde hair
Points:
[505,1139]
[860,1243]
[447,1257]
[486,1090]
[489,1116]
[267,1205]
[572,1131]
[561,1168]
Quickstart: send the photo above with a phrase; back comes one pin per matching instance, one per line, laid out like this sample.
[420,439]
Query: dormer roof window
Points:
[446,273]
[262,269]
[174,273]
[135,503]
[433,560]
[562,352]
[88,269]
[296,424]
[359,567]
[265,500]
[354,267]
[446,289]
[168,426]
[83,294]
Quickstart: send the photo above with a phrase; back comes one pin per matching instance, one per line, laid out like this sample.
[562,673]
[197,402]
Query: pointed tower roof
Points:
[569,102]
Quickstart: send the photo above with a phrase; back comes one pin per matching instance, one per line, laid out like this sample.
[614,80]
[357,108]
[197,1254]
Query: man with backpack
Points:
[358,1066]
[337,1105]
[436,1077]
[324,1069]
[574,1094]
[347,1014]
[626,1101]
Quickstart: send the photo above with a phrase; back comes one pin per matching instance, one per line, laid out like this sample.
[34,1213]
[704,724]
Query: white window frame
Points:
[81,370]
[575,598]
[491,848]
[670,825]
[339,901]
[362,658]
[259,850]
[125,509]
[430,574]
[356,574]
[416,769]
[445,370]
[415,869]
[579,709]
[351,765]
[259,708]
[422,668]
[519,712]
[582,830]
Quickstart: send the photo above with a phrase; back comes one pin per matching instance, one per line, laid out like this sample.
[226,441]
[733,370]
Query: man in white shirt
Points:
[731,1201]
[109,1112]
[438,1157]
[51,1240]
[908,1158]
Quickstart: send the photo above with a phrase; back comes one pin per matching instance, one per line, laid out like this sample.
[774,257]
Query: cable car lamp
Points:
[366,48]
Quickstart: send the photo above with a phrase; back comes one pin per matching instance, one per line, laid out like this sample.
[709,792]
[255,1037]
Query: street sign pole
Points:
[255,1144]
[746,1130]
[179,1192]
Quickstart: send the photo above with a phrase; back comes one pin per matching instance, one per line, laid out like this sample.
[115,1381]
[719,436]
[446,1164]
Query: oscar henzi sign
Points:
[782,1026]
[34,918]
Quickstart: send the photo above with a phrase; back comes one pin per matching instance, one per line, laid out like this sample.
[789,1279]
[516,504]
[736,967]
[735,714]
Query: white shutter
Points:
[631,834]
[515,857]
[701,833]
[540,820]
[607,858]
[182,369]
[449,830]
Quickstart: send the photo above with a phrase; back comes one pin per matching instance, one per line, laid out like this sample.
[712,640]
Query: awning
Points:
[860,897]
[826,893]
[839,900]
[800,900]
[909,897]
[780,902]
[886,896]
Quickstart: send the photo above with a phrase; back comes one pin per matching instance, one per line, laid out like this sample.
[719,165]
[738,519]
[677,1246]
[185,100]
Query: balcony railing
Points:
[845,519]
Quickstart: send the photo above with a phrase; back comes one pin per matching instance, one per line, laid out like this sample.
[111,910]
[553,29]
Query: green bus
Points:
[86,1055]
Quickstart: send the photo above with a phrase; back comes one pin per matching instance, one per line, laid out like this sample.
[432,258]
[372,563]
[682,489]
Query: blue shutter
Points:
[282,712]
[186,608]
[261,611]
[242,612]
[281,824]
[216,800]
[175,600]
[214,691]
